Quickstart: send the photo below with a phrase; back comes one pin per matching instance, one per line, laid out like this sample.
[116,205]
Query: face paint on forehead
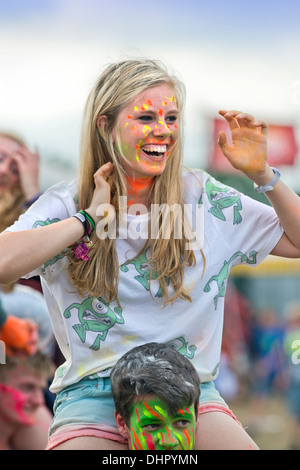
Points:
[154,428]
[172,99]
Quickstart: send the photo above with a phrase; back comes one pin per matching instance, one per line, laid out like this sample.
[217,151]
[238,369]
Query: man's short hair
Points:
[154,369]
[39,364]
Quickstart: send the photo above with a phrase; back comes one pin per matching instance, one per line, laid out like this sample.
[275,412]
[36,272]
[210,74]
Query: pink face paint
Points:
[149,442]
[14,401]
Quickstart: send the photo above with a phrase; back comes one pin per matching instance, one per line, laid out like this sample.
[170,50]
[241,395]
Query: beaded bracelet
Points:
[82,246]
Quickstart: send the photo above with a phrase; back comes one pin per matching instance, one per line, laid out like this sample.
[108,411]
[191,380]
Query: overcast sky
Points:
[230,54]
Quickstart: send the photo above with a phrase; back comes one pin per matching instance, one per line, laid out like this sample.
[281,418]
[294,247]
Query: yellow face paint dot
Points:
[146,129]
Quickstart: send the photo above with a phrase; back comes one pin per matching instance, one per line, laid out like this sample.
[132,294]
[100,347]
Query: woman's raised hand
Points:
[248,152]
[102,191]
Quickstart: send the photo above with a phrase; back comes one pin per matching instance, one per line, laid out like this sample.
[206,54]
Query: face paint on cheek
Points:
[136,432]
[135,440]
[15,401]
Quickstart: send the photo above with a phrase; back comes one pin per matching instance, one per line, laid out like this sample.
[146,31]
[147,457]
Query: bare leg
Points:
[90,443]
[218,431]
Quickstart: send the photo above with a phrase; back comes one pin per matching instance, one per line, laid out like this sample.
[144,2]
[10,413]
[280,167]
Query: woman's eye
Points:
[171,119]
[146,118]
[14,168]
[3,157]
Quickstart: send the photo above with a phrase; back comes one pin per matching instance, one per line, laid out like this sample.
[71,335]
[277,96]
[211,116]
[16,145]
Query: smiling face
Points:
[9,173]
[152,427]
[21,396]
[146,131]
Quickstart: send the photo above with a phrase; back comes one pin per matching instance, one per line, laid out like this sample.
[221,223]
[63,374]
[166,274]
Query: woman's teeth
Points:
[155,150]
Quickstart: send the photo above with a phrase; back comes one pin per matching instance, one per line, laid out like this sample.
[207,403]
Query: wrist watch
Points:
[269,186]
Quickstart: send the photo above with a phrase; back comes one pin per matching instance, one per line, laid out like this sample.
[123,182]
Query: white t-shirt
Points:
[94,334]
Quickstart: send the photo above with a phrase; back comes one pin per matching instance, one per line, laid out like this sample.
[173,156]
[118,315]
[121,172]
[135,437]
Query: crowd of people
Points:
[134,317]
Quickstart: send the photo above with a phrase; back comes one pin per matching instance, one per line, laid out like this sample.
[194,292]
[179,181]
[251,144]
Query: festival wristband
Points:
[87,222]
[269,186]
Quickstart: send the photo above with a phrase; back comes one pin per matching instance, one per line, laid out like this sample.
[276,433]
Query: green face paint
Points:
[153,428]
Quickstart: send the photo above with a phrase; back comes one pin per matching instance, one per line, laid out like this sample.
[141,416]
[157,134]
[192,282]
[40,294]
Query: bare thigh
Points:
[90,443]
[218,431]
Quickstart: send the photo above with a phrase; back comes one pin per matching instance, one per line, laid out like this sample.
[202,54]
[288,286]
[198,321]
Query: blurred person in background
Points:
[19,178]
[292,350]
[24,418]
[267,357]
[23,310]
[19,188]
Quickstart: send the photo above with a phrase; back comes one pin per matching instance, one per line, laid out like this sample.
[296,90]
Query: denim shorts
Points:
[90,401]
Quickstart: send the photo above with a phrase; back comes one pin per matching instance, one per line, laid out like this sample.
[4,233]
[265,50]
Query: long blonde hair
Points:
[12,201]
[116,87]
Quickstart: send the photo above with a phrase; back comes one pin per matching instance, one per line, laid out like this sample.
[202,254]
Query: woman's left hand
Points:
[248,152]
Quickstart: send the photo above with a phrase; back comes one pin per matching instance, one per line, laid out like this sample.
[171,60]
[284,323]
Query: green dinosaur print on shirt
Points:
[95,314]
[142,266]
[43,223]
[181,345]
[223,274]
[221,197]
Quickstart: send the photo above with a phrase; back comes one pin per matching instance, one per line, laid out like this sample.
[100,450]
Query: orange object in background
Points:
[20,336]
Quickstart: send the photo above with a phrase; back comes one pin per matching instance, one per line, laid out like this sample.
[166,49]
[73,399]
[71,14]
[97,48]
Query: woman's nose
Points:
[161,129]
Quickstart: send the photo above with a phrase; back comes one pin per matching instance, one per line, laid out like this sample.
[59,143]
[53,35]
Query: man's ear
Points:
[102,125]
[121,425]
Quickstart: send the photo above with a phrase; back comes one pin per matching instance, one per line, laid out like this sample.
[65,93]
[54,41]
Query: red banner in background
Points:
[282,147]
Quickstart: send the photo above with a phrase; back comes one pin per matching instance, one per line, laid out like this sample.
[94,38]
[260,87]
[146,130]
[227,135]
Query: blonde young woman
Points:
[107,294]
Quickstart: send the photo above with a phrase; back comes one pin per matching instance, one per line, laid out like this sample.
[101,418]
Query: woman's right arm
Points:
[24,251]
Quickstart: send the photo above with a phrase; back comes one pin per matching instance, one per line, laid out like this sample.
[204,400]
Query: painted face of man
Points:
[146,131]
[9,173]
[20,396]
[152,427]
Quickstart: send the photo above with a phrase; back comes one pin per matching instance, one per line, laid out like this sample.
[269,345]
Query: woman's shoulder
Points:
[63,187]
[195,175]
[193,181]
[62,193]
